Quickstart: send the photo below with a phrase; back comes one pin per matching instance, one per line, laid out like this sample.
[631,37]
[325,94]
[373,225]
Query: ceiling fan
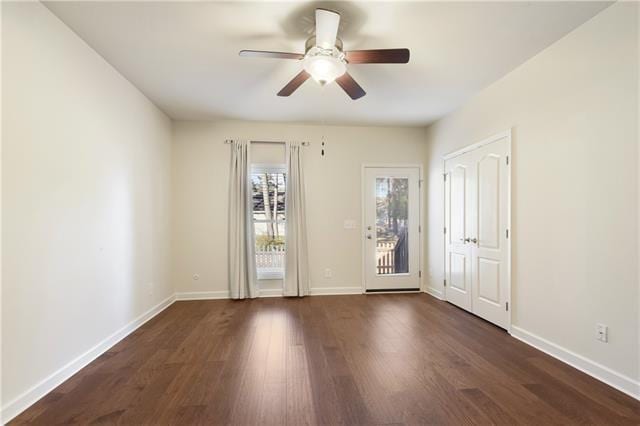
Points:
[325,61]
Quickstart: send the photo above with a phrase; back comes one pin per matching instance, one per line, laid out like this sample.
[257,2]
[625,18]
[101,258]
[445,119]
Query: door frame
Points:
[496,137]
[363,219]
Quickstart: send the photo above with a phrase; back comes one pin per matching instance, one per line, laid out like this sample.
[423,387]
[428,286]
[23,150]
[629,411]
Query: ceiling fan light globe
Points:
[324,69]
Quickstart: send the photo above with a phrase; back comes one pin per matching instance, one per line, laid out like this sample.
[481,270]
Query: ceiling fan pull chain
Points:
[324,128]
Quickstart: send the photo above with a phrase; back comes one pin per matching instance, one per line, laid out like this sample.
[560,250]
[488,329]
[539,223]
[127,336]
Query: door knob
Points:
[474,241]
[368,237]
[470,240]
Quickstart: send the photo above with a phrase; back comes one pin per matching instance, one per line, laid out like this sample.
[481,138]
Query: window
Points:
[268,192]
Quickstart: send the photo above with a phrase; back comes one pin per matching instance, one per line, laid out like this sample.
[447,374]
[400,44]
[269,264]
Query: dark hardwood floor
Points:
[376,359]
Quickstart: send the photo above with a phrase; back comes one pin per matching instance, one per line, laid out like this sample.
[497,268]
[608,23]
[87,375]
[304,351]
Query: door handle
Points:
[470,240]
[369,237]
[474,241]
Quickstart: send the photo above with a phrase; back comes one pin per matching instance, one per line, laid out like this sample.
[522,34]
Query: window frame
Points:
[270,169]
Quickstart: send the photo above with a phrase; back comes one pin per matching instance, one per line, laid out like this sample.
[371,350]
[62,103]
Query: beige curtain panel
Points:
[296,274]
[242,269]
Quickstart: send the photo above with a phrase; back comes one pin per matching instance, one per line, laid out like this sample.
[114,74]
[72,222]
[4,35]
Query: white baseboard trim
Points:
[316,291]
[333,291]
[202,295]
[434,292]
[32,395]
[271,292]
[606,375]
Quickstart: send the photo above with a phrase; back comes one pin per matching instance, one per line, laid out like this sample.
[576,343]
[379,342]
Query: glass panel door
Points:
[391,231]
[392,214]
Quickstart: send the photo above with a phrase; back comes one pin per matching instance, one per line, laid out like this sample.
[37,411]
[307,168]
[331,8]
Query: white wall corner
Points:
[435,292]
[598,371]
[16,406]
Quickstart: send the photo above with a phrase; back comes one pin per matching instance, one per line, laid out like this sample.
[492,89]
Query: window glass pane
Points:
[269,235]
[270,249]
[268,195]
[392,248]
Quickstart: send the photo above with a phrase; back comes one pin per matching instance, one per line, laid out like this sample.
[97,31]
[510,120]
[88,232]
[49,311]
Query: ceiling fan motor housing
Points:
[324,65]
[311,43]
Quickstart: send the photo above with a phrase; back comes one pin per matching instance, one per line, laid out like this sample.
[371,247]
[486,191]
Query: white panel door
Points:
[458,199]
[490,253]
[477,260]
[391,228]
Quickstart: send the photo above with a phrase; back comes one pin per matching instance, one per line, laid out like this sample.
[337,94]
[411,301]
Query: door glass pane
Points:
[392,209]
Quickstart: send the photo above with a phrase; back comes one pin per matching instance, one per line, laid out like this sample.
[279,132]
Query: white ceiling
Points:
[184,55]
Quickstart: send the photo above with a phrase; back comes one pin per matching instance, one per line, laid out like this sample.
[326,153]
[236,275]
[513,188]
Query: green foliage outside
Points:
[266,241]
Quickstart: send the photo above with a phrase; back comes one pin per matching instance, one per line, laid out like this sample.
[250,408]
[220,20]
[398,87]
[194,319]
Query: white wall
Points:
[86,200]
[574,112]
[200,163]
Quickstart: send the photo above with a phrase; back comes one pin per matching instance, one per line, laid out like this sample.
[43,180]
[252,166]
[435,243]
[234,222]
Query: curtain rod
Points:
[229,141]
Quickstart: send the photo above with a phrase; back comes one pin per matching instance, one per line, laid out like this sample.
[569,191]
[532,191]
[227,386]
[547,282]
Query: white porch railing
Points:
[269,258]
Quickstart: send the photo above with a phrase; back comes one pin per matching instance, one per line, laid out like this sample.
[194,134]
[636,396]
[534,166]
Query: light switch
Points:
[349,224]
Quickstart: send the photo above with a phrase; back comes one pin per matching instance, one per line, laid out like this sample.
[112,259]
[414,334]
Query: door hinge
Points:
[507,233]
[507,306]
[445,283]
[419,274]
[444,175]
[507,160]
[419,228]
[445,229]
[420,183]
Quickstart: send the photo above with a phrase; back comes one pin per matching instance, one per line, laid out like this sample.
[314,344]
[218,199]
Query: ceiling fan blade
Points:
[378,56]
[327,22]
[267,54]
[293,85]
[350,86]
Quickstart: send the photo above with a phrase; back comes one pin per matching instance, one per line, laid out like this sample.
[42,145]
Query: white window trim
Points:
[269,168]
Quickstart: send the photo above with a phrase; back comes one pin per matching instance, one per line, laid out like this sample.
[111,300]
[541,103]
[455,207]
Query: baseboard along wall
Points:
[606,375]
[598,371]
[33,394]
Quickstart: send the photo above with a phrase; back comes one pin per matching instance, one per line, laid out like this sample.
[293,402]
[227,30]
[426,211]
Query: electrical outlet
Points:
[602,333]
[328,273]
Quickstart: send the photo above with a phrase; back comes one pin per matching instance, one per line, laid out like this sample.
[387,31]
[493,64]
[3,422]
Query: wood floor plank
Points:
[362,359]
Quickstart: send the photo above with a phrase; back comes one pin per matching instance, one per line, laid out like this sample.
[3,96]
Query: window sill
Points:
[268,275]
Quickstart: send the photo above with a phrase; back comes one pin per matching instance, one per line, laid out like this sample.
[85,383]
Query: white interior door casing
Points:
[391,228]
[477,220]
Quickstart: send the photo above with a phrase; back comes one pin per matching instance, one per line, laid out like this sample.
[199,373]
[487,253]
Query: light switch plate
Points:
[349,224]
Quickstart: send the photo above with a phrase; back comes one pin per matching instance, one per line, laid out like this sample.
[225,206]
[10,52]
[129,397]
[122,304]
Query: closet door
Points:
[477,249]
[490,250]
[459,225]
